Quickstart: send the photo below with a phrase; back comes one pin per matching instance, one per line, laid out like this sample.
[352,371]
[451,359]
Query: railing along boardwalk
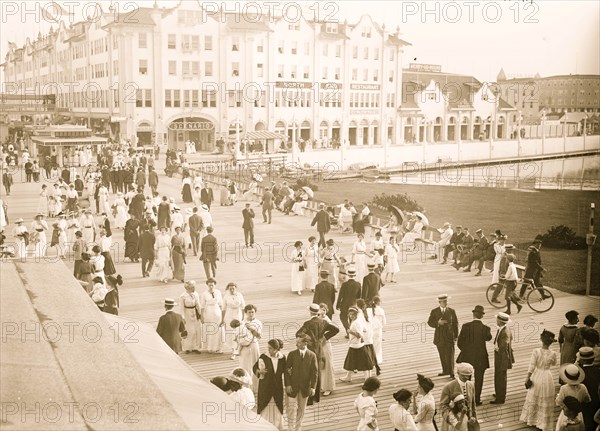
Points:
[265,281]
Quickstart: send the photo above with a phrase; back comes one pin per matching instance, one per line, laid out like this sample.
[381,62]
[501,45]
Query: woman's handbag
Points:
[473,426]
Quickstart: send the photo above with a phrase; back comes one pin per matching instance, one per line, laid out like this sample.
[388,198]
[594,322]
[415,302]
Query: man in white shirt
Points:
[445,235]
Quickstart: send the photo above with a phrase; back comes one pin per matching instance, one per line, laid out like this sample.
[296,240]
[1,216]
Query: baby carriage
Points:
[333,219]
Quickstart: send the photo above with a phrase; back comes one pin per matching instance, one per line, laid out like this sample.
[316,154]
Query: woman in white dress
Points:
[189,302]
[359,257]
[197,181]
[211,310]
[21,235]
[400,416]
[326,371]
[103,198]
[298,268]
[43,202]
[415,233]
[311,264]
[249,354]
[377,318]
[249,194]
[162,250]
[97,261]
[122,216]
[328,259]
[53,201]
[39,227]
[88,226]
[300,204]
[423,404]
[366,405]
[72,226]
[233,306]
[63,247]
[392,267]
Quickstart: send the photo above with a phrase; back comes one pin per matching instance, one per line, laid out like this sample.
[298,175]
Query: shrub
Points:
[562,237]
[402,201]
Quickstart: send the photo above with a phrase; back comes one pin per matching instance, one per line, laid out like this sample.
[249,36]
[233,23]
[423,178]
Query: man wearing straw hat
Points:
[445,322]
[300,376]
[171,327]
[349,293]
[503,357]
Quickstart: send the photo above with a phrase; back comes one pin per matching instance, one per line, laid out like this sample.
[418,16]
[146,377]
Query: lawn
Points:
[520,214]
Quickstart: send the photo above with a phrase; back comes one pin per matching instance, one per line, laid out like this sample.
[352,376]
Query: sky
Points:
[476,38]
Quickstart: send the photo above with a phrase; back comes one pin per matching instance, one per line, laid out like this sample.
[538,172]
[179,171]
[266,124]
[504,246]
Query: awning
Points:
[259,135]
[46,141]
[199,403]
[116,119]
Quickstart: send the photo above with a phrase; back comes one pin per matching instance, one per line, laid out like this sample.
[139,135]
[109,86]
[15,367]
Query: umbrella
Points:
[424,219]
[309,191]
[398,213]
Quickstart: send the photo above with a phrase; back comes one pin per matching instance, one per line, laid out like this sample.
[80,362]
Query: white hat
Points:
[503,317]
[19,220]
[169,301]
[571,374]
[443,297]
[205,207]
[465,369]
[314,308]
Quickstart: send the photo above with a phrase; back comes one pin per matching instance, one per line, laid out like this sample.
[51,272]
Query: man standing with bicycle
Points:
[534,269]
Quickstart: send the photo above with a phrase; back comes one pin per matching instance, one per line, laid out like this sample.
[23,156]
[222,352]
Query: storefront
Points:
[201,131]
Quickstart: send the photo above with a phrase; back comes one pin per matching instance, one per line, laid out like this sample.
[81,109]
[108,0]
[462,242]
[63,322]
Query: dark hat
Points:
[426,383]
[402,395]
[211,280]
[548,335]
[478,309]
[570,315]
[324,272]
[537,241]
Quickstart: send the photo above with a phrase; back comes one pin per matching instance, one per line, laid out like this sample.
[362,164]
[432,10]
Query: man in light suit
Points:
[196,225]
[481,251]
[471,342]
[300,379]
[503,357]
[248,225]
[209,252]
[446,233]
[206,196]
[461,385]
[171,327]
[267,205]
[445,322]
[321,219]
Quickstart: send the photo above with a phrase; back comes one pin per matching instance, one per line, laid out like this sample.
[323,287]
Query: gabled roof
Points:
[394,39]
[457,89]
[235,22]
[503,105]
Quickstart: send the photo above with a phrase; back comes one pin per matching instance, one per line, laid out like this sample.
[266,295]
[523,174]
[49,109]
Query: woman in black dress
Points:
[269,369]
[111,300]
[164,214]
[131,237]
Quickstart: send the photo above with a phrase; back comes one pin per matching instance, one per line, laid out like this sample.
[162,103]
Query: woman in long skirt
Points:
[423,404]
[538,409]
[297,268]
[311,264]
[162,251]
[111,300]
[121,208]
[269,369]
[357,357]
[249,354]
[97,264]
[329,261]
[359,257]
[131,237]
[566,338]
[43,202]
[392,266]
[368,337]
[366,406]
[178,254]
[105,245]
[103,198]
[233,306]
[86,271]
[224,195]
[211,310]
[186,190]
[39,227]
[190,310]
[326,371]
[377,317]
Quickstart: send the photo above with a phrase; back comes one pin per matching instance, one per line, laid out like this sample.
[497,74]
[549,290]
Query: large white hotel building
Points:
[187,73]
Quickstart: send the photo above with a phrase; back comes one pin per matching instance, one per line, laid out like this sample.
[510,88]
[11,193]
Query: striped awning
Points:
[259,135]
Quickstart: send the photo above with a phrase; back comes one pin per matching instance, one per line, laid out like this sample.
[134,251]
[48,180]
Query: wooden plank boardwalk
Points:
[263,277]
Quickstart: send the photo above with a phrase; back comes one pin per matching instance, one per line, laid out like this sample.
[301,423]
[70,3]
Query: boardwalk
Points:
[263,276]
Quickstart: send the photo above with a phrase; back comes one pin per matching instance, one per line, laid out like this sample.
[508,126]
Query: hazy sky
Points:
[471,37]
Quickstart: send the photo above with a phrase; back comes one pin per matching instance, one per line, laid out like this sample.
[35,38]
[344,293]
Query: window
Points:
[185,70]
[295,26]
[391,77]
[208,43]
[208,68]
[355,52]
[376,75]
[259,70]
[115,67]
[172,67]
[143,40]
[391,54]
[338,50]
[325,50]
[306,48]
[195,103]
[259,48]
[235,69]
[366,57]
[148,98]
[235,43]
[293,72]
[331,27]
[365,74]
[306,72]
[324,73]
[168,98]
[280,71]
[337,73]
[172,41]
[366,32]
[176,99]
[139,98]
[196,43]
[186,98]
[354,74]
[195,68]
[280,47]
[376,54]
[143,67]
[294,48]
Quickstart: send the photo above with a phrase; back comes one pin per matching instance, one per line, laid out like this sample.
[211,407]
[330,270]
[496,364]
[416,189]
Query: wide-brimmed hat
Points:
[586,354]
[503,317]
[169,301]
[19,220]
[571,374]
[478,309]
[443,297]
[351,272]
[245,380]
[205,207]
[324,272]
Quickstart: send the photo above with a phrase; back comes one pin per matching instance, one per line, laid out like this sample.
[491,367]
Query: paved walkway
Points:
[263,277]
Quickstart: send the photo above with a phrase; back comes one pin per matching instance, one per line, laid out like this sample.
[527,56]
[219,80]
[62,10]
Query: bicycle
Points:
[538,299]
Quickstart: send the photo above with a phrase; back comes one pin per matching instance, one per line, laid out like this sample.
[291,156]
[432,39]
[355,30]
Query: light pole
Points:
[237,139]
[519,120]
[543,129]
[293,139]
[590,239]
[584,129]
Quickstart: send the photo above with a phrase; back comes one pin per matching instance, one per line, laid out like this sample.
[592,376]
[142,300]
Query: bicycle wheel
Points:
[500,294]
[540,300]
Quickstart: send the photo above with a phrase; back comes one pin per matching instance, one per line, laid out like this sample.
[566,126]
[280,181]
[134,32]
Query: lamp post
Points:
[590,239]
[519,121]
[293,139]
[543,129]
[584,129]
[237,139]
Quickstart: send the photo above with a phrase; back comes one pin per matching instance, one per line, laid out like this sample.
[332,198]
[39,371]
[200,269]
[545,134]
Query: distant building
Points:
[552,94]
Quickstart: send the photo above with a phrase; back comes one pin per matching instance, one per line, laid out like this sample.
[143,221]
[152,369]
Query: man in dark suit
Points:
[371,284]
[323,225]
[196,226]
[533,269]
[79,186]
[317,329]
[106,225]
[146,249]
[471,342]
[171,327]
[455,240]
[481,249]
[349,293]
[443,319]
[585,359]
[503,357]
[462,385]
[300,378]
[209,251]
[267,205]
[152,179]
[206,195]
[248,225]
[325,293]
[464,250]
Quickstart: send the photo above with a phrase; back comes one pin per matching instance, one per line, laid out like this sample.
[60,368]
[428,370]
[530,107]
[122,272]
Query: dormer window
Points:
[331,27]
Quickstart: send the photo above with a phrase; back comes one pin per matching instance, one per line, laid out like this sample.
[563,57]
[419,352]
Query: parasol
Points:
[309,191]
[398,213]
[424,219]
